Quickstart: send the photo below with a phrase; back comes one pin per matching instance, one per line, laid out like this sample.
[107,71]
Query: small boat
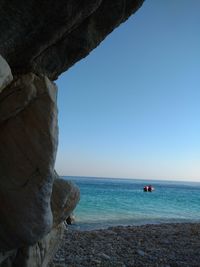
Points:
[148,188]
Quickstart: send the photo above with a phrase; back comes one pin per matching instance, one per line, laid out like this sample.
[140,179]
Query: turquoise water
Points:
[109,202]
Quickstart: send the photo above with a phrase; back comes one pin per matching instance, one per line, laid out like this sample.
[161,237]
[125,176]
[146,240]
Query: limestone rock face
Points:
[65,196]
[40,39]
[37,255]
[6,258]
[47,37]
[28,134]
[42,252]
[5,74]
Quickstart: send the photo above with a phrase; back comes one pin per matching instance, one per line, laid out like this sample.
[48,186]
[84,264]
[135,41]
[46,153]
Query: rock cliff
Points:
[39,40]
[48,36]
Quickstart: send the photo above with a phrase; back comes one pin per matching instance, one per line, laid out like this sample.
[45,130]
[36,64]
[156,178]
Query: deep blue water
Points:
[108,202]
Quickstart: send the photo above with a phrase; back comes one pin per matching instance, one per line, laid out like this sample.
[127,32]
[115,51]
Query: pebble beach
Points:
[159,245]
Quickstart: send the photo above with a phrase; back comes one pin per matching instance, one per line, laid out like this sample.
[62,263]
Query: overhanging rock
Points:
[48,37]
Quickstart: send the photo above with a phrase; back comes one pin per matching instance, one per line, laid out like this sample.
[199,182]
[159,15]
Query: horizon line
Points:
[128,178]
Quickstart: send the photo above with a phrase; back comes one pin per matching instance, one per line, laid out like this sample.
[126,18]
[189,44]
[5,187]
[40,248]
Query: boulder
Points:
[28,134]
[5,74]
[70,220]
[65,196]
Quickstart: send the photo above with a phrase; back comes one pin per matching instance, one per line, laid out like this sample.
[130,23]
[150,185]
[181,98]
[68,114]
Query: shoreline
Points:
[103,225]
[161,245]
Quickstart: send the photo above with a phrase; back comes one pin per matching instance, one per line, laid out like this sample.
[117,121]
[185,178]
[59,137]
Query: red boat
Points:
[148,188]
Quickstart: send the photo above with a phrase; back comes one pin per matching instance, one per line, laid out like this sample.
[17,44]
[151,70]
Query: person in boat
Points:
[148,188]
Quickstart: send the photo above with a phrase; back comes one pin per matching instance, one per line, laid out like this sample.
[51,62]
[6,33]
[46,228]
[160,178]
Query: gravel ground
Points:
[162,245]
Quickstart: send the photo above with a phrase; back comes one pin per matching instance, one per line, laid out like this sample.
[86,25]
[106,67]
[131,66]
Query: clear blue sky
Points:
[132,107]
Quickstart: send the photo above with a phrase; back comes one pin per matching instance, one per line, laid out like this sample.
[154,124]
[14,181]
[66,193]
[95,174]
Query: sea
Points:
[106,202]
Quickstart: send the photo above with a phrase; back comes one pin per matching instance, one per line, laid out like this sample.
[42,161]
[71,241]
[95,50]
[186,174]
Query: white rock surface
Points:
[5,74]
[28,134]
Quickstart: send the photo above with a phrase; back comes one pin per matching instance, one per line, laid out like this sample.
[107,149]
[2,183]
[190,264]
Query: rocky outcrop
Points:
[37,255]
[64,199]
[65,195]
[40,40]
[5,74]
[28,134]
[48,37]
